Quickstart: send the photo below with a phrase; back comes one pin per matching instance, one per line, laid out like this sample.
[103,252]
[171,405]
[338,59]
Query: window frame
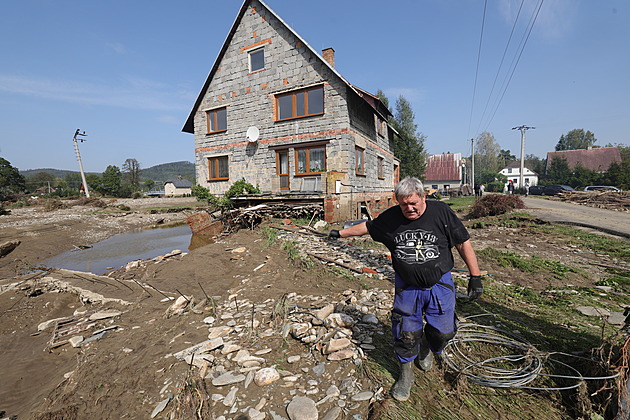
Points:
[250,53]
[212,114]
[308,149]
[359,160]
[380,164]
[215,161]
[294,103]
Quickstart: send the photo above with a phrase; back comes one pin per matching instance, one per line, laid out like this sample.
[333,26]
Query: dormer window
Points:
[256,60]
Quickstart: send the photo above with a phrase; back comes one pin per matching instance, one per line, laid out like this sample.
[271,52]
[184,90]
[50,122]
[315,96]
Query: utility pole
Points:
[76,149]
[472,163]
[522,129]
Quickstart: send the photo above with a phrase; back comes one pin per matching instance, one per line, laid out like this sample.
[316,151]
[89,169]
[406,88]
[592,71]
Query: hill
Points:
[158,173]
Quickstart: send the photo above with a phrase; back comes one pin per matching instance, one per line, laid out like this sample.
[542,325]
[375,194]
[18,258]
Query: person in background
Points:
[526,188]
[482,188]
[420,235]
[510,187]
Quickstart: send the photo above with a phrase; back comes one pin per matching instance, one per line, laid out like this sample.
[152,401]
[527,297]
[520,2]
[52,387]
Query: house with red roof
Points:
[596,159]
[445,171]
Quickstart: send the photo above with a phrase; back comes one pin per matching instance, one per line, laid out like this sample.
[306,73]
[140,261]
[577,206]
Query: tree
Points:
[576,139]
[111,180]
[381,95]
[131,169]
[11,181]
[73,180]
[487,155]
[93,181]
[536,164]
[40,179]
[506,157]
[409,144]
[559,172]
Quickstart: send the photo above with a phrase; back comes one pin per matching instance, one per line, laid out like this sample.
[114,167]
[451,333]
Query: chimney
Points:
[329,55]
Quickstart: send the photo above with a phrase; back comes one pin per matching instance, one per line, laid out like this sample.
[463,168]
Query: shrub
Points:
[495,204]
[241,187]
[495,187]
[200,192]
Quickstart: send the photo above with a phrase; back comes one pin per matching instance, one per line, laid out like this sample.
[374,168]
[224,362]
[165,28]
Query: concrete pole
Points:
[472,163]
[76,149]
[522,129]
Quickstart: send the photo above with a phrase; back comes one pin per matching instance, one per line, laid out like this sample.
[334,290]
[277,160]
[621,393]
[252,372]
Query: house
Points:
[445,171]
[596,159]
[278,114]
[177,187]
[513,172]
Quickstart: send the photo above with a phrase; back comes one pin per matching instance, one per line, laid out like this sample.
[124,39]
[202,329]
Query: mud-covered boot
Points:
[402,387]
[424,361]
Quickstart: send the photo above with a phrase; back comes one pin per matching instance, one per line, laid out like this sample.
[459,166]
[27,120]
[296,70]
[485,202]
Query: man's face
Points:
[412,206]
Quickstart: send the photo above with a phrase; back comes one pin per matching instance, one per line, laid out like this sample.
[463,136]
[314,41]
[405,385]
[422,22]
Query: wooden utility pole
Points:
[76,149]
[522,129]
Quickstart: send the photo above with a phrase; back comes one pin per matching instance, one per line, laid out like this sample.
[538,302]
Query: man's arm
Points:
[356,230]
[467,253]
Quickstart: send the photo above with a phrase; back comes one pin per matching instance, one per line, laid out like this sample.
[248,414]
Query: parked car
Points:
[601,188]
[549,189]
[556,189]
[536,190]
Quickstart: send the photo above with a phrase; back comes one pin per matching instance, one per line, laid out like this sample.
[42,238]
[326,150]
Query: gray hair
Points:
[408,186]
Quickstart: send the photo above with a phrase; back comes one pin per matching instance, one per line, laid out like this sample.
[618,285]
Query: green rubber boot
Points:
[424,361]
[402,387]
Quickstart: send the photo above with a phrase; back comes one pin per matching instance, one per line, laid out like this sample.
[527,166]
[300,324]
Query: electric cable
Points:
[472,105]
[506,370]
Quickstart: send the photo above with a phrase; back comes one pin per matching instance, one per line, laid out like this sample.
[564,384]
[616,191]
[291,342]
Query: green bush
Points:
[200,192]
[495,187]
[241,187]
[495,204]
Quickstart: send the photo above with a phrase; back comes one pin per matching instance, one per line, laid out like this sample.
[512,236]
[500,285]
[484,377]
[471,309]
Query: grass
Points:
[531,264]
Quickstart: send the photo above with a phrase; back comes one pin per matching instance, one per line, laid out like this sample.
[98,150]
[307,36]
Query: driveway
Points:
[609,221]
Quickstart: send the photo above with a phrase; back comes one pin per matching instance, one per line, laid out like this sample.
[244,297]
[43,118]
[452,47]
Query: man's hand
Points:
[334,234]
[475,288]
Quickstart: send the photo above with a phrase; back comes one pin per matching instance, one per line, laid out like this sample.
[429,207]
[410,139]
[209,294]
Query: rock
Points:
[616,318]
[220,331]
[255,414]
[319,369]
[293,359]
[302,408]
[76,340]
[340,320]
[46,324]
[370,319]
[336,345]
[333,414]
[341,355]
[239,250]
[300,330]
[203,347]
[333,391]
[323,313]
[104,315]
[266,376]
[228,378]
[209,320]
[161,406]
[362,396]
[230,398]
[593,311]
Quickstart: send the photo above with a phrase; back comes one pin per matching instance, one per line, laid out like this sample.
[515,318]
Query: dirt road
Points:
[614,222]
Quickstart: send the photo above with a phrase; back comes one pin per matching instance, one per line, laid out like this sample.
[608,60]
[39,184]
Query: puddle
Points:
[118,250]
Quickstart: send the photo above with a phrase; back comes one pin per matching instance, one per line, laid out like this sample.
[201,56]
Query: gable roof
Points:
[598,159]
[189,125]
[179,182]
[444,167]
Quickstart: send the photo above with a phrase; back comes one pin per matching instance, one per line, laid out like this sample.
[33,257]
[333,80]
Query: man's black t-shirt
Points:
[421,248]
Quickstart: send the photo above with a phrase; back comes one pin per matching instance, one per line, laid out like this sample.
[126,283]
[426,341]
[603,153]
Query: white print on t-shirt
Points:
[416,246]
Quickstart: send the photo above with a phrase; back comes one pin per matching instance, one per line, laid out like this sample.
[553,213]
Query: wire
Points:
[516,60]
[472,105]
[505,371]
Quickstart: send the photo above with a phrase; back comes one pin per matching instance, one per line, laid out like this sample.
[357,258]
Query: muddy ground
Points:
[122,376]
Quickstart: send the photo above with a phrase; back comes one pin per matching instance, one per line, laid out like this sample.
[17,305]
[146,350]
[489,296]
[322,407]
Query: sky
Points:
[128,72]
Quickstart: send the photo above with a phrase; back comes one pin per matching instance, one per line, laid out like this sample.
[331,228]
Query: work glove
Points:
[475,288]
[334,234]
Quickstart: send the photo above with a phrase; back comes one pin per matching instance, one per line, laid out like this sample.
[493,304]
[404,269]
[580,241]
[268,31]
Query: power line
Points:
[483,23]
[518,59]
[496,77]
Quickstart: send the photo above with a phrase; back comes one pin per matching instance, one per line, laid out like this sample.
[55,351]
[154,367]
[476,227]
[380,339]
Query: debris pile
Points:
[612,200]
[320,378]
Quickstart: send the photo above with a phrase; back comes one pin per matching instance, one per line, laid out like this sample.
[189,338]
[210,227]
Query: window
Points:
[218,169]
[380,162]
[310,160]
[217,120]
[509,170]
[257,59]
[360,162]
[300,103]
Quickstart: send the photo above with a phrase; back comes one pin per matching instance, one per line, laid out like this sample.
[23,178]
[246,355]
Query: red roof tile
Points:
[598,159]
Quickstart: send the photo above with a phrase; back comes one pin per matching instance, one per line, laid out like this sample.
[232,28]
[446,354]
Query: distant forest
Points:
[157,173]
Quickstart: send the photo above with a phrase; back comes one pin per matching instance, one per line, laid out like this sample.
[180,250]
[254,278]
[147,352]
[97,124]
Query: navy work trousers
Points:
[413,306]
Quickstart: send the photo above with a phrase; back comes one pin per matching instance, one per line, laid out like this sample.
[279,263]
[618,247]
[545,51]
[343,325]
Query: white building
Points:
[513,173]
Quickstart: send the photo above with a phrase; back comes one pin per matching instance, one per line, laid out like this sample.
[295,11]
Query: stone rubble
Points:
[318,382]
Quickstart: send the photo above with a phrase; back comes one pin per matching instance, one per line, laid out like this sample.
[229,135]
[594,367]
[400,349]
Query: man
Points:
[510,187]
[420,235]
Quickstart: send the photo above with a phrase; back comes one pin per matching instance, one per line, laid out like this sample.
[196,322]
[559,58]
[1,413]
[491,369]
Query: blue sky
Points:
[128,72]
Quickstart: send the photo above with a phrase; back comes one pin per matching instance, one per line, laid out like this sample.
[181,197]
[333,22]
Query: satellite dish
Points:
[252,134]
